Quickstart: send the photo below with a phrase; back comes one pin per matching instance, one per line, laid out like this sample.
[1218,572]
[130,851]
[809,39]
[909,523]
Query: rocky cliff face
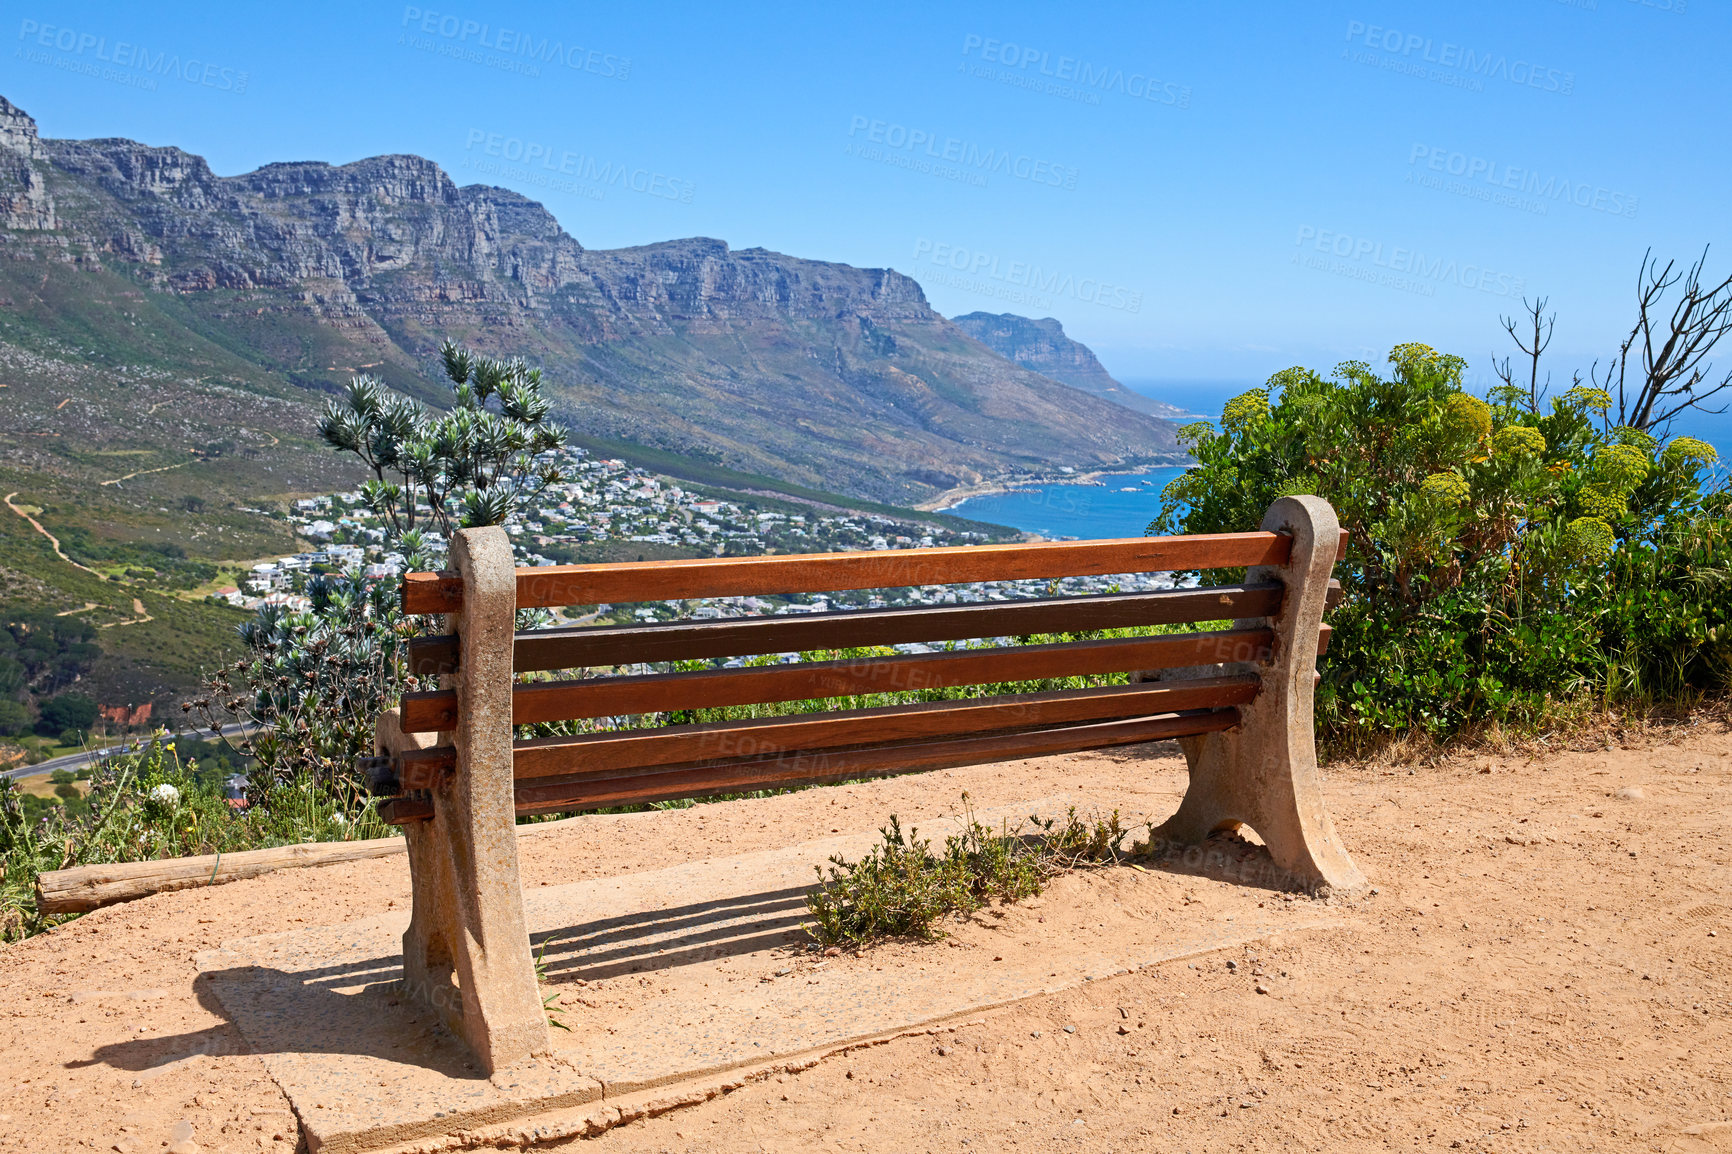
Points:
[1041,345]
[819,373]
[24,199]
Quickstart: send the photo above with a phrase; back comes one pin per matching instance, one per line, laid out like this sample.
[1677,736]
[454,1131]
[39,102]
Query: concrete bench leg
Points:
[466,953]
[1263,773]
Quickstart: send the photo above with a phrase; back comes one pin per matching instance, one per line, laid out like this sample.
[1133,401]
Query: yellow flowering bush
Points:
[1518,441]
[1449,489]
[1500,559]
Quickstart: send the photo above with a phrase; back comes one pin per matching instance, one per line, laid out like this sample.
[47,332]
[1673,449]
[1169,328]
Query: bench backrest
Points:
[636,765]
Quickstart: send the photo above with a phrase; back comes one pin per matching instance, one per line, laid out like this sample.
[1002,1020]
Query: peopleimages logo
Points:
[1022,282]
[1406,269]
[518,51]
[554,161]
[83,51]
[1069,76]
[928,150]
[1410,53]
[1511,185]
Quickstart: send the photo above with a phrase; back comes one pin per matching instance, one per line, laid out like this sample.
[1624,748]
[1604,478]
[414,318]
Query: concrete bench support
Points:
[1263,773]
[466,953]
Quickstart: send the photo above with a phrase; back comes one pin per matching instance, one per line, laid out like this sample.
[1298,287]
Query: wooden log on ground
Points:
[84,888]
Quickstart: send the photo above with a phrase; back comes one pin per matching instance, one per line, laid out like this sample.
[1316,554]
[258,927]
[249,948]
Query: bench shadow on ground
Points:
[357,1007]
[316,1011]
[678,936]
[1227,857]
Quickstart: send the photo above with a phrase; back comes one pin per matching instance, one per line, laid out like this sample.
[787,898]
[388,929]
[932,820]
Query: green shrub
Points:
[69,713]
[314,682]
[902,889]
[1503,565]
[152,804]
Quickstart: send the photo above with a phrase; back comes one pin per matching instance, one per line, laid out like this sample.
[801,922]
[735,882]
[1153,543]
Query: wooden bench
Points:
[1239,699]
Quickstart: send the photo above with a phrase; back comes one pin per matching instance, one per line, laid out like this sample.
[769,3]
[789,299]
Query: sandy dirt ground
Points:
[1545,964]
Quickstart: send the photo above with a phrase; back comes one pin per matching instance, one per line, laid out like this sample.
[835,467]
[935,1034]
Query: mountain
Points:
[1043,347]
[298,274]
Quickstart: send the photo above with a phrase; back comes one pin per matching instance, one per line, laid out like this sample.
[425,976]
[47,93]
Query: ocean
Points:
[1122,505]
[1109,510]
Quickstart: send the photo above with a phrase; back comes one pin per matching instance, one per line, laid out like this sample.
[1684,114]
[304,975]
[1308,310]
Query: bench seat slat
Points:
[616,750]
[432,711]
[553,585]
[818,766]
[580,647]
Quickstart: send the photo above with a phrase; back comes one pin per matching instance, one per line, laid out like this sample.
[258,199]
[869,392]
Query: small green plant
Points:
[902,889]
[549,1002]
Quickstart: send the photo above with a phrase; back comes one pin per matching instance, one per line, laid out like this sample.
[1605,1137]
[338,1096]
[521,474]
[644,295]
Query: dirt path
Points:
[146,473]
[137,605]
[52,539]
[138,608]
[1546,964]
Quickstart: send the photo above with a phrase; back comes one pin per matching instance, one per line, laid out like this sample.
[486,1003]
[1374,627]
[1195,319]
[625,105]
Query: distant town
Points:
[605,499]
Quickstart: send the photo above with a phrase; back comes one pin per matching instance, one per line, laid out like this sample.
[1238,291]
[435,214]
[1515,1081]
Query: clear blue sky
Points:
[1206,190]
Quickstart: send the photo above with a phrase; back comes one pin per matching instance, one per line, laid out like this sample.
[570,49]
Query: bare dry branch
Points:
[1542,337]
[1673,370]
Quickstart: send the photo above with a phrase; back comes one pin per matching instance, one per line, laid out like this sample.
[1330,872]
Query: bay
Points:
[1088,511]
[1121,505]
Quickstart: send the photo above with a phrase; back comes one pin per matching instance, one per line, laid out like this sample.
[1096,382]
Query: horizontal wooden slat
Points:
[879,569]
[638,749]
[428,712]
[421,768]
[583,647]
[403,810]
[811,768]
[759,737]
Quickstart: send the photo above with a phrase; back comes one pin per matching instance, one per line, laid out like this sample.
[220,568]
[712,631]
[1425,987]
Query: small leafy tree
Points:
[1496,553]
[473,465]
[313,682]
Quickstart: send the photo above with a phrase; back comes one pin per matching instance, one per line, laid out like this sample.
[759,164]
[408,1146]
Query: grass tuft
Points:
[902,889]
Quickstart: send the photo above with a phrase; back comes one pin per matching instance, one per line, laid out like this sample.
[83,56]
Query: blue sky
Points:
[1203,191]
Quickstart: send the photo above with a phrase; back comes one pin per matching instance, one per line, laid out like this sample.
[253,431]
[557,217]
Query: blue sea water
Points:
[1091,511]
[1122,505]
[1108,509]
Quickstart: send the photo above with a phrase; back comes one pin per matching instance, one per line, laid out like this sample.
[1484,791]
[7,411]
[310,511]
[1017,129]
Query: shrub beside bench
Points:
[1239,700]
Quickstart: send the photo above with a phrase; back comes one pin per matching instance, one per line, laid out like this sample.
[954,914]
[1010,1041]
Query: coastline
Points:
[951,498]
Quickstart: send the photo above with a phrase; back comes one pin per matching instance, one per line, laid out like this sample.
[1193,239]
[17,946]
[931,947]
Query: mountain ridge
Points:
[817,373]
[1043,347]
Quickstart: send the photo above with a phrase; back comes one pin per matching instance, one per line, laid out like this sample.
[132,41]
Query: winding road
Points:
[77,761]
